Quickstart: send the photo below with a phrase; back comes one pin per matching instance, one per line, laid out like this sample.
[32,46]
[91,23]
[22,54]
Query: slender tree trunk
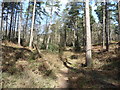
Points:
[84,28]
[17,26]
[119,17]
[11,21]
[61,44]
[20,25]
[88,36]
[15,23]
[107,27]
[103,32]
[26,26]
[2,18]
[45,36]
[6,34]
[48,39]
[73,40]
[31,32]
[26,23]
[65,37]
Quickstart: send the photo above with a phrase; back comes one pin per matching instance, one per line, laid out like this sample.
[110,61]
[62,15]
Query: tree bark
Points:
[119,17]
[15,23]
[2,17]
[38,51]
[103,32]
[88,36]
[65,37]
[74,37]
[9,36]
[107,27]
[19,28]
[49,27]
[25,28]
[48,40]
[31,32]
[6,33]
[84,29]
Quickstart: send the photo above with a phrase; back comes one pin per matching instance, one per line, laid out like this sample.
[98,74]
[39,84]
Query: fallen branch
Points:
[44,60]
[38,51]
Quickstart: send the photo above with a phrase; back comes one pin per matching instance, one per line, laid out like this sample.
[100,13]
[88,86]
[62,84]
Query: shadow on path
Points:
[88,78]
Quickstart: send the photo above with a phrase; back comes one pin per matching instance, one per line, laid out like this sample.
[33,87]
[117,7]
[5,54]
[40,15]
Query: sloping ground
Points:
[104,74]
[11,55]
[23,69]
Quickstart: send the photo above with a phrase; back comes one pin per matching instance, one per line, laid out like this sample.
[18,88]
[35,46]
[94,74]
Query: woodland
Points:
[60,44]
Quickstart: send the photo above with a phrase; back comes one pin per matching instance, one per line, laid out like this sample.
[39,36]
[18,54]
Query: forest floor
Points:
[22,68]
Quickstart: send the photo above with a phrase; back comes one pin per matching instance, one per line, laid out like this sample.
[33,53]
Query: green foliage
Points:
[53,47]
[112,9]
[99,12]
[42,46]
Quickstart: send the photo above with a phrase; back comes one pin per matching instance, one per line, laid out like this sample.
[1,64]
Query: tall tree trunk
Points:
[15,23]
[103,32]
[45,36]
[26,22]
[2,18]
[26,26]
[49,27]
[17,26]
[119,17]
[31,32]
[74,37]
[6,33]
[107,27]
[20,24]
[9,36]
[65,37]
[48,40]
[84,28]
[61,44]
[88,36]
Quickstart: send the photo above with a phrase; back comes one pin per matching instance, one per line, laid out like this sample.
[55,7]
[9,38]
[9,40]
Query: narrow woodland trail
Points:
[75,76]
[63,78]
[64,73]
[103,75]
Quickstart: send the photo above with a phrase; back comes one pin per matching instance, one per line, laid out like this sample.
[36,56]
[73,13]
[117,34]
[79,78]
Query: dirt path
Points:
[63,74]
[103,75]
[63,78]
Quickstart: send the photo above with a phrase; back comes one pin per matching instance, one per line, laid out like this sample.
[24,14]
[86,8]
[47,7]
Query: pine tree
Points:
[119,17]
[31,32]
[88,36]
[20,24]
